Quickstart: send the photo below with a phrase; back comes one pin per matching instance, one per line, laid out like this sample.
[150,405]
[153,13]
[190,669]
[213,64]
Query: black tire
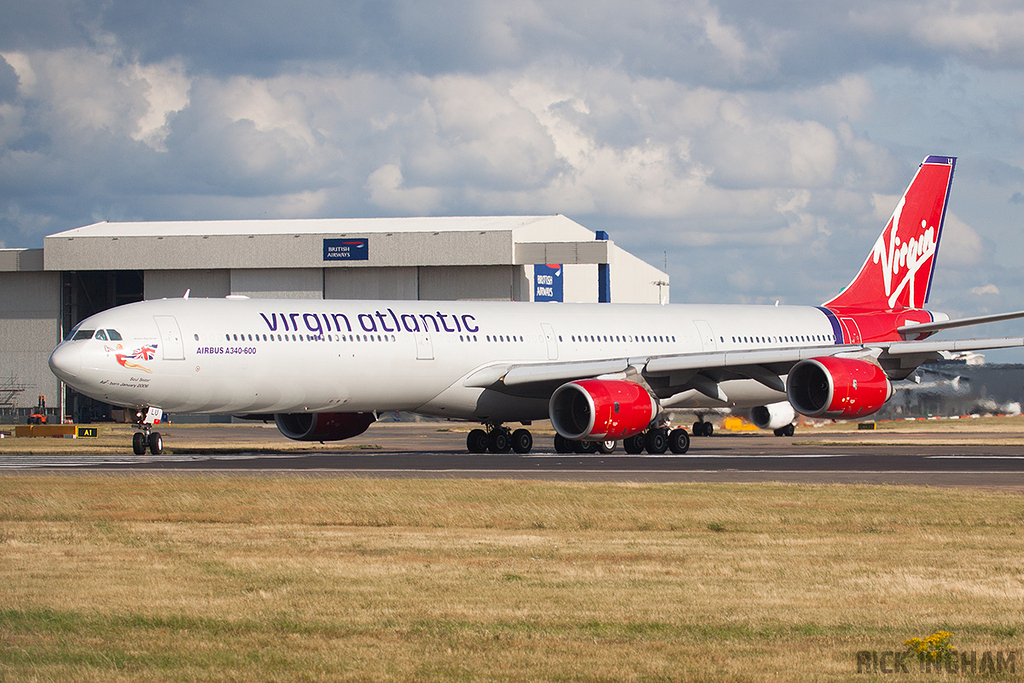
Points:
[698,429]
[779,432]
[476,441]
[634,445]
[656,441]
[156,443]
[678,441]
[606,447]
[139,443]
[499,440]
[522,441]
[562,444]
[789,430]
[585,447]
[709,429]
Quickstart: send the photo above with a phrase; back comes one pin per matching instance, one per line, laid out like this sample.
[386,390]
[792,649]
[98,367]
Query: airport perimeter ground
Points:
[213,565]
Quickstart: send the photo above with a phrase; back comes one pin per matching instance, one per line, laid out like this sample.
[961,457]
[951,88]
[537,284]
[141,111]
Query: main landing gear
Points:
[702,428]
[657,440]
[564,445]
[788,430]
[145,418]
[499,439]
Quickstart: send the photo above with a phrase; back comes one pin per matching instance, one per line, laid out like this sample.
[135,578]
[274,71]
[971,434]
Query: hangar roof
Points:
[302,243]
[521,225]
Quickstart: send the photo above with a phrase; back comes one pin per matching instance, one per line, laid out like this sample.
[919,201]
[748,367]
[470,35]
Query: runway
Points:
[424,451]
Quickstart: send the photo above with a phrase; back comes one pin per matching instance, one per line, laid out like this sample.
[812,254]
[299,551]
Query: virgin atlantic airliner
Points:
[324,370]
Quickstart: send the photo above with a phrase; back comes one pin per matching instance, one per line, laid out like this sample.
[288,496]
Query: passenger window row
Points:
[657,338]
[785,339]
[309,337]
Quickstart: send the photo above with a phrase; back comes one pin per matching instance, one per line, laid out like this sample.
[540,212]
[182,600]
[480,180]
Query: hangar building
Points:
[85,270]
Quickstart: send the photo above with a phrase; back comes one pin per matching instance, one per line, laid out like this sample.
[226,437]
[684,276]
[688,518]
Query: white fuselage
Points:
[283,356]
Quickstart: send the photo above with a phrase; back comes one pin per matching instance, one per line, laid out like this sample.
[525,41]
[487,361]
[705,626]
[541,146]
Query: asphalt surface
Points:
[424,450]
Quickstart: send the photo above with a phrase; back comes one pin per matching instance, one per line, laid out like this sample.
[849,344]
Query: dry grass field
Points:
[288,578]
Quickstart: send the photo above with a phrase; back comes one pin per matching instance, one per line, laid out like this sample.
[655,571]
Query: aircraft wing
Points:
[671,374]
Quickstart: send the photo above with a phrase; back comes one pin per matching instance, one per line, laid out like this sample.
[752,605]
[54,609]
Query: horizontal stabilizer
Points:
[915,329]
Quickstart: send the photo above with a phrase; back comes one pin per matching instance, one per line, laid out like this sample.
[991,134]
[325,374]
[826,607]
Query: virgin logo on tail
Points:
[897,273]
[910,257]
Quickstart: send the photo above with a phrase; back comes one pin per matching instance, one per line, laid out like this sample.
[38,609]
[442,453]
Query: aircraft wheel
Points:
[139,443]
[585,447]
[656,441]
[789,430]
[499,440]
[709,429]
[606,446]
[476,442]
[698,428]
[522,441]
[678,441]
[156,443]
[634,445]
[562,444]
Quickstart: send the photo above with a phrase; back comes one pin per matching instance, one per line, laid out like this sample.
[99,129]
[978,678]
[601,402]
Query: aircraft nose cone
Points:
[66,361]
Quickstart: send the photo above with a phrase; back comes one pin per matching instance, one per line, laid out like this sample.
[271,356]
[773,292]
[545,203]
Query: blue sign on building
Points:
[547,282]
[346,249]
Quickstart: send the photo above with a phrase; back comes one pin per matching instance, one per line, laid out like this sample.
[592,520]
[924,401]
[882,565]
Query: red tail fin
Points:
[898,271]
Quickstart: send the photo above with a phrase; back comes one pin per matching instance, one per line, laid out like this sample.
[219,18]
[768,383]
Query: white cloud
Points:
[986,289]
[961,246]
[996,33]
[167,93]
[385,188]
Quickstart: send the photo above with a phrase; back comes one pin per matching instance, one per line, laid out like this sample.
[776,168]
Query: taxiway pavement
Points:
[424,451]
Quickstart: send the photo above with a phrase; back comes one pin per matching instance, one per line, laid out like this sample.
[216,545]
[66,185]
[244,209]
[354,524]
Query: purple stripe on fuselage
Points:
[837,328]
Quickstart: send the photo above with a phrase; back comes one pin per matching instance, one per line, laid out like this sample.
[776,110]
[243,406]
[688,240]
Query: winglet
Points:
[898,272]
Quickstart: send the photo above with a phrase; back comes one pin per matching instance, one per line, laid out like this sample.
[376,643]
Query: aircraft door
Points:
[549,337]
[424,347]
[170,337]
[850,330]
[707,337]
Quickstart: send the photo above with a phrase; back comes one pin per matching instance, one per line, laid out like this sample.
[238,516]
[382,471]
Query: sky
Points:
[754,150]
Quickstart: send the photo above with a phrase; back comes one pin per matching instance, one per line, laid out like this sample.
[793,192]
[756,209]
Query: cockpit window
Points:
[82,334]
[113,335]
[101,335]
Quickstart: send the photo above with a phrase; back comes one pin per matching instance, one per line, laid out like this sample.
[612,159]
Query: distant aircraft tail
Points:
[898,272]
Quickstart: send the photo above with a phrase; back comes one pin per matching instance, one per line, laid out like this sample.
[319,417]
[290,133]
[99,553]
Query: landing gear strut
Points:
[145,418]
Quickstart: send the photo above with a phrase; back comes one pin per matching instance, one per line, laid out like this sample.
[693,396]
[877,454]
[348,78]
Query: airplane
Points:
[325,369]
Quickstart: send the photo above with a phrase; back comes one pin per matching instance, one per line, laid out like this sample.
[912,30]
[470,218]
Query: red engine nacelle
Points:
[837,387]
[600,409]
[323,426]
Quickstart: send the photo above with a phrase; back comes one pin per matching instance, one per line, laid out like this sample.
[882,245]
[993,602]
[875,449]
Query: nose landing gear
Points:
[145,418]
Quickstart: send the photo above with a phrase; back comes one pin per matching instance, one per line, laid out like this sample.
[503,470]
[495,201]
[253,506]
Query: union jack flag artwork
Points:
[147,352]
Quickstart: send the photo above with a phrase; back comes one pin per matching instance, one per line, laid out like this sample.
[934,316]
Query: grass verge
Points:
[169,578]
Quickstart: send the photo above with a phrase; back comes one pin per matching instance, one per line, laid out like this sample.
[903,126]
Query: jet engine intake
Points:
[832,387]
[323,426]
[601,410]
